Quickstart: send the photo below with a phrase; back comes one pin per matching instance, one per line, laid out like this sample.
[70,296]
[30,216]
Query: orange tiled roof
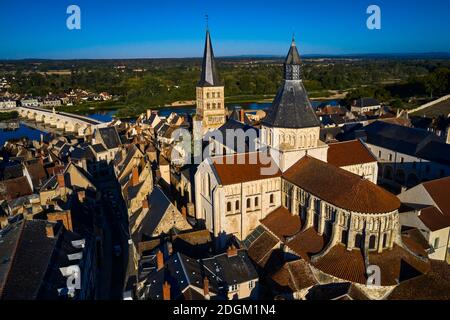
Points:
[244,167]
[398,265]
[343,264]
[439,191]
[282,223]
[295,275]
[340,187]
[307,243]
[434,219]
[349,153]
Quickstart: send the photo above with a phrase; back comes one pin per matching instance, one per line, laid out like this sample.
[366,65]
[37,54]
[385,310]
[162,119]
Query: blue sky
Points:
[175,28]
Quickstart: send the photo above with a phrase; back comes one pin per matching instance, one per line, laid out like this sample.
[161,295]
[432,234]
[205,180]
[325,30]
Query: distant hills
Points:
[425,55]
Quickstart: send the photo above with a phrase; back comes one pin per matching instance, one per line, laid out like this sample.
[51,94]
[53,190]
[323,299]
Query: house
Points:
[39,257]
[364,105]
[406,156]
[428,210]
[228,276]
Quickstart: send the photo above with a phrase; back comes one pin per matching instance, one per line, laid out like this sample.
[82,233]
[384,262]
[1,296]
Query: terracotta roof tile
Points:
[340,187]
[435,285]
[307,243]
[343,264]
[439,191]
[260,249]
[294,276]
[244,167]
[398,265]
[349,153]
[14,188]
[282,223]
[434,219]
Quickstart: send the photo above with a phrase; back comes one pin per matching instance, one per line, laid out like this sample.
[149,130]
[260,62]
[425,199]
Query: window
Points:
[379,154]
[237,205]
[207,95]
[233,287]
[402,159]
[218,94]
[228,206]
[390,157]
[256,202]
[248,203]
[271,199]
[251,285]
[372,242]
[208,105]
[436,243]
[213,94]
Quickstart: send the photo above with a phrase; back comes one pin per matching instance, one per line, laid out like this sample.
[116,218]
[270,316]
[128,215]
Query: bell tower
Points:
[210,92]
[291,128]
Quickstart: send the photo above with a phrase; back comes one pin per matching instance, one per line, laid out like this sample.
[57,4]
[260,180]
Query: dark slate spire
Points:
[291,107]
[292,68]
[209,76]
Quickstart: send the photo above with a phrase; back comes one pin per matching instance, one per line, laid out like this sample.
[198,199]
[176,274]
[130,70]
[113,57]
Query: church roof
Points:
[291,107]
[209,76]
[293,56]
[340,187]
[349,153]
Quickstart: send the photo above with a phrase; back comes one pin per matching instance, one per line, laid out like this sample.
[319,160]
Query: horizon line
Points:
[398,54]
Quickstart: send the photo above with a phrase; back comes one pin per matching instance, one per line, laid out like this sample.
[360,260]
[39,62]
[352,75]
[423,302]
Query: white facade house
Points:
[430,213]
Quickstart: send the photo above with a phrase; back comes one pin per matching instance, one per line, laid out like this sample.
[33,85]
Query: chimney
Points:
[61,181]
[50,229]
[169,248]
[135,177]
[65,217]
[81,195]
[166,291]
[242,116]
[206,287]
[159,260]
[184,212]
[145,203]
[231,251]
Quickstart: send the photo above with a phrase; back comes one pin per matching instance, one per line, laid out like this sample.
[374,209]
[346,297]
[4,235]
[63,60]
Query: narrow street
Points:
[115,237]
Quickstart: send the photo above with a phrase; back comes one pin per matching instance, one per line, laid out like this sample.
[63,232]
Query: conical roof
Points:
[209,76]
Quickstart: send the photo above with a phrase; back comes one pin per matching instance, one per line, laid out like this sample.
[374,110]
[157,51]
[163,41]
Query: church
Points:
[317,202]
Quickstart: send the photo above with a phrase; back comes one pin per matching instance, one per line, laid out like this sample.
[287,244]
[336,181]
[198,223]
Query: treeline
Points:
[143,84]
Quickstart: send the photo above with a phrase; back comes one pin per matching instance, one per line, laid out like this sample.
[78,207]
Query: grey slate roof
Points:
[110,137]
[293,56]
[291,108]
[209,76]
[366,102]
[410,141]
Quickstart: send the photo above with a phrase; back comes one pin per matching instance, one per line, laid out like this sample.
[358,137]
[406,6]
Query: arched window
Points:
[237,205]
[228,206]
[256,202]
[249,203]
[385,240]
[372,242]
[271,199]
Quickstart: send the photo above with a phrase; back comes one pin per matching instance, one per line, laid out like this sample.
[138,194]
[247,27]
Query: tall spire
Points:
[291,107]
[209,76]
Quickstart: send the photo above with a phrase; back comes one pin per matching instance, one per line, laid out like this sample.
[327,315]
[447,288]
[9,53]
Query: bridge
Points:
[68,122]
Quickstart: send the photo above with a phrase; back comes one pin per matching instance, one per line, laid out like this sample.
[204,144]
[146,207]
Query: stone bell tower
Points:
[210,92]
